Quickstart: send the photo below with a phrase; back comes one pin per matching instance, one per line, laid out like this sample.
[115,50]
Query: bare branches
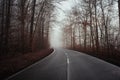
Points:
[94,23]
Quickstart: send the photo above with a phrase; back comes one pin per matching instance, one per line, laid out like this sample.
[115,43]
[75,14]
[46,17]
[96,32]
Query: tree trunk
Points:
[91,27]
[97,37]
[119,13]
[32,23]
[2,27]
[22,6]
[7,24]
[105,26]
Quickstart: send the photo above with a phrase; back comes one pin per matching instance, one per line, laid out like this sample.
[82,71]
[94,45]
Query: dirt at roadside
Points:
[12,64]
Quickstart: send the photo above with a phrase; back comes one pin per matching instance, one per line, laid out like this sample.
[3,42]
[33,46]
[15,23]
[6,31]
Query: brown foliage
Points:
[12,64]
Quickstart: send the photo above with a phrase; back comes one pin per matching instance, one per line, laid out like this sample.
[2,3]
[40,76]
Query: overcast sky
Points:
[56,33]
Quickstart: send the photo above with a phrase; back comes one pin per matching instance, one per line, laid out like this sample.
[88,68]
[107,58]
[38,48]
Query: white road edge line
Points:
[29,66]
[68,62]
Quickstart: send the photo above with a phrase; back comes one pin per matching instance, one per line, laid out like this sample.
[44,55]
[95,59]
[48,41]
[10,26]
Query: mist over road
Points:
[65,64]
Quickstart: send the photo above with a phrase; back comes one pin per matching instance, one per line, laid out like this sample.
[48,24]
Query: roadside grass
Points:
[12,64]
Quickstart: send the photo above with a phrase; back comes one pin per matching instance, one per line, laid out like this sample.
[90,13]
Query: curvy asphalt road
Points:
[65,64]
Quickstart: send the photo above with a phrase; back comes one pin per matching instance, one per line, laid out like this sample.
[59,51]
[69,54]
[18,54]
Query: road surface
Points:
[65,64]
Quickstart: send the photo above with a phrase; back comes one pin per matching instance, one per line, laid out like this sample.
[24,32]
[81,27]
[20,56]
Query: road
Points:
[65,64]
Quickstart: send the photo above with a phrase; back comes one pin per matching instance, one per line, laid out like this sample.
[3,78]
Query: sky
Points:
[56,31]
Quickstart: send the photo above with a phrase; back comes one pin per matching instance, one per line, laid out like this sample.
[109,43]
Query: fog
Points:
[61,10]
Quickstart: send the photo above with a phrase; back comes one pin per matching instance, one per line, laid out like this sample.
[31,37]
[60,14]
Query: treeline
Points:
[94,26]
[24,25]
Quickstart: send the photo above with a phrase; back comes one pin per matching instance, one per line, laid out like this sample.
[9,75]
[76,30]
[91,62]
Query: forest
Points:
[90,26]
[24,31]
[93,27]
[24,25]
